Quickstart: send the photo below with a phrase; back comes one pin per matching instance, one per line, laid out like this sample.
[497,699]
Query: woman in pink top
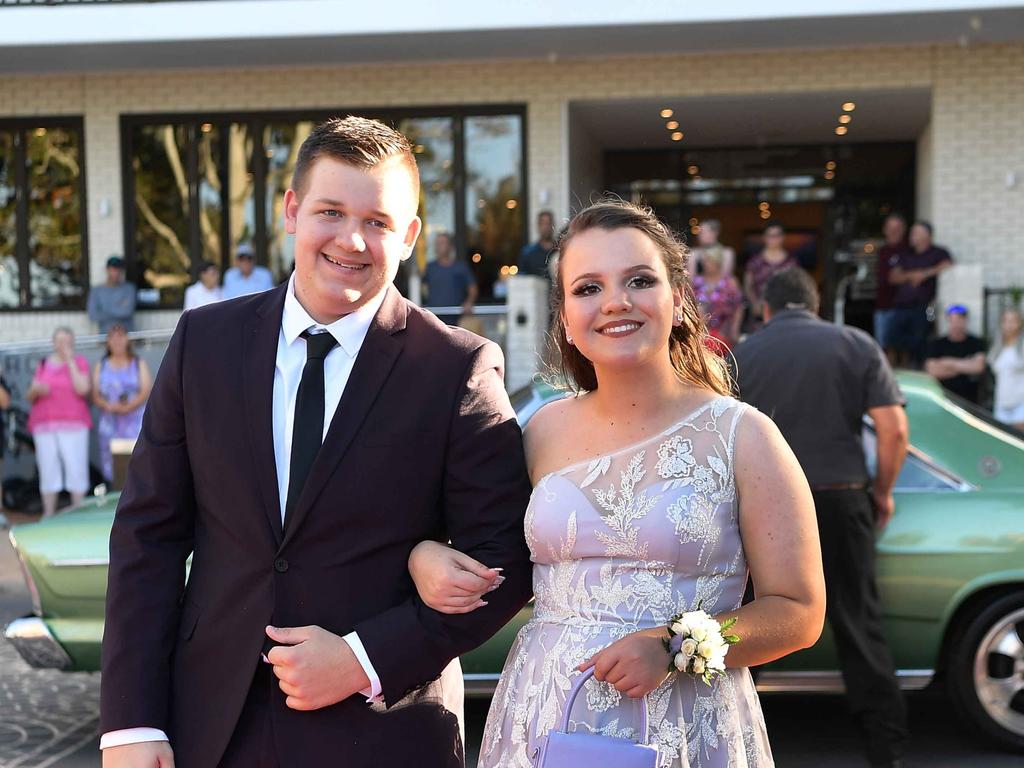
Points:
[59,421]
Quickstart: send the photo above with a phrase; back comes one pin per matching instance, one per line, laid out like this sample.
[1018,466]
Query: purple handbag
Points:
[561,749]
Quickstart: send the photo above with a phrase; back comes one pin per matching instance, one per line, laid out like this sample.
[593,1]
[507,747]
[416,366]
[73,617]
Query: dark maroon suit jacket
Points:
[424,445]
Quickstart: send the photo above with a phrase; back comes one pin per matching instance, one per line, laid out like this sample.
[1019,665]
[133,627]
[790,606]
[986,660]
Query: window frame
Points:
[22,255]
[257,120]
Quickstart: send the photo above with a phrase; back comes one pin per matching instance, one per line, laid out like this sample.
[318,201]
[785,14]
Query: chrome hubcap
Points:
[999,672]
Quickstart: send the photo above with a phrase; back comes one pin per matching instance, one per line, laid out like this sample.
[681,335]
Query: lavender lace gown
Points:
[620,544]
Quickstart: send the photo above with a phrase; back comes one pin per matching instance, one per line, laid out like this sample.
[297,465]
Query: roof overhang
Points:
[102,36]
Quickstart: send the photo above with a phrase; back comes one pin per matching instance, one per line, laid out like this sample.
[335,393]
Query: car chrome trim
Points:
[480,685]
[81,562]
[36,644]
[832,682]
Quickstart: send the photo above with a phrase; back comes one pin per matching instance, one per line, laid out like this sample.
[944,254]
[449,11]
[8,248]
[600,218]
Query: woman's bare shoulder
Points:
[545,431]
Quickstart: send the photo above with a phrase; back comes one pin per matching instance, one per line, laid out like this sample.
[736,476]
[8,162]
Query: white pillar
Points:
[527,328]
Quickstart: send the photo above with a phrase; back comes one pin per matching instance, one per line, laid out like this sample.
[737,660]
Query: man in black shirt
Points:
[957,359]
[816,381]
[533,259]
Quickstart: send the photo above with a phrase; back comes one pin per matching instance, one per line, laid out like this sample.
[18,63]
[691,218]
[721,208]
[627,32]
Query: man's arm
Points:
[92,306]
[893,437]
[151,538]
[486,490]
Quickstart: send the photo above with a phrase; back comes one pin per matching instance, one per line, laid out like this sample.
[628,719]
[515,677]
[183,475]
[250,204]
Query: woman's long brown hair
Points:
[692,360]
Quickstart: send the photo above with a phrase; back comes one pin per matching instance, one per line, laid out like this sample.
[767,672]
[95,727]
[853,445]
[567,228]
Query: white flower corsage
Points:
[697,644]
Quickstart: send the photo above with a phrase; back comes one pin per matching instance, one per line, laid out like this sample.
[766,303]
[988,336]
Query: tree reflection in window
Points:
[282,142]
[494,194]
[10,280]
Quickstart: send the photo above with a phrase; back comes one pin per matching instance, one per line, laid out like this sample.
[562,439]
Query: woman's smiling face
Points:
[619,304]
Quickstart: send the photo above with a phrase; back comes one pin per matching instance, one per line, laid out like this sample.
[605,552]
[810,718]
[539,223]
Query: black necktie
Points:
[308,426]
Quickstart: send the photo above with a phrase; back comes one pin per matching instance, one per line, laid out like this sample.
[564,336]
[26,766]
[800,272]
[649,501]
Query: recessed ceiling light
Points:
[830,175]
[677,136]
[764,206]
[666,113]
[849,106]
[845,118]
[830,165]
[841,130]
[672,125]
[693,169]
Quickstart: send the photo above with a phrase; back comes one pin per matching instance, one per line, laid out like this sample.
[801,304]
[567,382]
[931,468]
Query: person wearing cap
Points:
[113,301]
[205,290]
[957,359]
[246,277]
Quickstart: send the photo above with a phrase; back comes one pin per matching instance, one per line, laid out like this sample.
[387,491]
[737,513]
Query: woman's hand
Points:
[449,581]
[635,665]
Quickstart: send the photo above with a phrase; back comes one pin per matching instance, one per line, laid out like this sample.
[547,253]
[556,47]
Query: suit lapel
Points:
[259,363]
[372,366]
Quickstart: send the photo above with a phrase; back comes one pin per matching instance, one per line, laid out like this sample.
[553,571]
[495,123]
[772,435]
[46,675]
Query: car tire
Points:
[986,671]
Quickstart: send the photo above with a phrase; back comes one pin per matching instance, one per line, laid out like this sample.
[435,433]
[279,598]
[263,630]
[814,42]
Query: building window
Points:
[198,187]
[43,251]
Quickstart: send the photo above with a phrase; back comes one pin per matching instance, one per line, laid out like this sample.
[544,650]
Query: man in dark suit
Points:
[298,639]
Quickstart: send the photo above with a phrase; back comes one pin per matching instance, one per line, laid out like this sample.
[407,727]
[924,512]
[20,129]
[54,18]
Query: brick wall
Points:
[978,108]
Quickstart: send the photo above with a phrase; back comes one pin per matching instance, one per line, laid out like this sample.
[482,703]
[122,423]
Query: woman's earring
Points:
[568,339]
[679,317]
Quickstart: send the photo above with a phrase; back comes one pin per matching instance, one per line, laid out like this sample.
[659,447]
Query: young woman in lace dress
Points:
[655,492]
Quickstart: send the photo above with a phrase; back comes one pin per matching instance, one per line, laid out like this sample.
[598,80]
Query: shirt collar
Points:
[349,331]
[793,314]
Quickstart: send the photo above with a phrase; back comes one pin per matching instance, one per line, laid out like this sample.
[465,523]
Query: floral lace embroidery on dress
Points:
[622,543]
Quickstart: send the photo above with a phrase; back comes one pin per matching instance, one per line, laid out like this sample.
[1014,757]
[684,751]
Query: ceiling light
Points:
[694,230]
[766,214]
[677,136]
[764,206]
[207,127]
[829,175]
[841,130]
[672,125]
[845,118]
[666,113]
[693,169]
[476,258]
[694,222]
[510,204]
[830,165]
[849,106]
[513,270]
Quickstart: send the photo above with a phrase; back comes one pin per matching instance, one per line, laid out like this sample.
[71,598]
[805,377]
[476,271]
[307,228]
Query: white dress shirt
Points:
[349,332]
[198,295]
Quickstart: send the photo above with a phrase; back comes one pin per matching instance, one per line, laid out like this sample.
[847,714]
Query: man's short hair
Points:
[207,265]
[547,213]
[926,224]
[791,289]
[358,141]
[898,216]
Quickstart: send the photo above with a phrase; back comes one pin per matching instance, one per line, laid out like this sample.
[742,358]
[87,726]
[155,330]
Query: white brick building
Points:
[944,81]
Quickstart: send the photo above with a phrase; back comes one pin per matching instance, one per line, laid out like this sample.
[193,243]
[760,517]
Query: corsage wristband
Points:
[697,644]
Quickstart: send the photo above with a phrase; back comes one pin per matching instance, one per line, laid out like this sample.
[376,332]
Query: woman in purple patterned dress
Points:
[121,384]
[774,258]
[720,298]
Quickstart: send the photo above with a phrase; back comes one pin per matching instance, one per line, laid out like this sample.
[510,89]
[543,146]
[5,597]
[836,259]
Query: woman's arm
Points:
[97,398]
[780,537]
[79,378]
[145,385]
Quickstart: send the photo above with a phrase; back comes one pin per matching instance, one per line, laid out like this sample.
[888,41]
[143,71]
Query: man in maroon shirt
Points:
[895,232]
[913,277]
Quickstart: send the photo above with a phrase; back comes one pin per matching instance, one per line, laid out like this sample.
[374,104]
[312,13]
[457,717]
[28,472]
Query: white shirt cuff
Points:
[131,736]
[372,693]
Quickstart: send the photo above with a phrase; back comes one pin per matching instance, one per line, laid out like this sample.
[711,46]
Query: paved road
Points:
[51,718]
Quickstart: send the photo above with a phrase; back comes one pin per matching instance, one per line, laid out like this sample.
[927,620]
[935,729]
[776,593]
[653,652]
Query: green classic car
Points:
[951,573]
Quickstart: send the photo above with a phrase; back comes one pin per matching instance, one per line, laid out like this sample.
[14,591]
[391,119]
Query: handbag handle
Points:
[577,686]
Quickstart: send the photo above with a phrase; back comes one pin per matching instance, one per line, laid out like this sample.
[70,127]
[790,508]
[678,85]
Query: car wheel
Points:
[986,671]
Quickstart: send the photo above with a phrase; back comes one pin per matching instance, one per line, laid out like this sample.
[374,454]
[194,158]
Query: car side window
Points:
[915,476]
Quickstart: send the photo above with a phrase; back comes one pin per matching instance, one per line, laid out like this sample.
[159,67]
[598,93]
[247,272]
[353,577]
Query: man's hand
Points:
[635,665]
[317,670]
[885,505]
[146,754]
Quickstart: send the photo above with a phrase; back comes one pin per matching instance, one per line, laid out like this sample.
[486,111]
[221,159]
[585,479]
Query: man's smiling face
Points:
[352,227]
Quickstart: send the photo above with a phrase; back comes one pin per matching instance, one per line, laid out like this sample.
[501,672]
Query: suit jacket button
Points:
[281,565]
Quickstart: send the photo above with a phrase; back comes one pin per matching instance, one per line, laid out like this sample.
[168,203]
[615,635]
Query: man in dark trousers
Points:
[298,443]
[816,381]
